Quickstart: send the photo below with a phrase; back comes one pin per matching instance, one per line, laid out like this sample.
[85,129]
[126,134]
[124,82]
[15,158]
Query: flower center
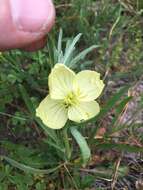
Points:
[71,99]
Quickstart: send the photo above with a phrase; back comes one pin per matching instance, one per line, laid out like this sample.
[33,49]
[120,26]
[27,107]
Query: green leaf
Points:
[59,51]
[112,101]
[119,109]
[122,104]
[54,145]
[40,186]
[107,107]
[50,132]
[60,41]
[27,100]
[3,186]
[70,49]
[29,169]
[85,151]
[82,55]
[121,147]
[52,51]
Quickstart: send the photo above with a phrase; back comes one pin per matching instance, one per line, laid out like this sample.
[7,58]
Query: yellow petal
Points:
[89,85]
[52,113]
[60,81]
[83,111]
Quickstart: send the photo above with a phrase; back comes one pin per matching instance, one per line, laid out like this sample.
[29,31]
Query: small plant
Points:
[71,96]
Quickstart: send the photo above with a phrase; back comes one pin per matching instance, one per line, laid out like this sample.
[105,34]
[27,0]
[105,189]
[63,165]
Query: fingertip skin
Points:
[35,45]
[32,15]
[25,22]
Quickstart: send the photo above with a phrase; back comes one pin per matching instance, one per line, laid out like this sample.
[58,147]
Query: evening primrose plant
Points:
[68,106]
[72,96]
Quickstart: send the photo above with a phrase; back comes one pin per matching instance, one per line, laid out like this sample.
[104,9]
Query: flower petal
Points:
[89,85]
[60,81]
[83,111]
[52,113]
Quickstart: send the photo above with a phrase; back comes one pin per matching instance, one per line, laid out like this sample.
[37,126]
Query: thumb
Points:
[24,21]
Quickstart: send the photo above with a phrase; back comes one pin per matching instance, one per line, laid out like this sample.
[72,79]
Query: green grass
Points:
[111,43]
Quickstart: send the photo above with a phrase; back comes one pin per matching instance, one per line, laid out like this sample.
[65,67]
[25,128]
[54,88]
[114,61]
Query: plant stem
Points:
[67,145]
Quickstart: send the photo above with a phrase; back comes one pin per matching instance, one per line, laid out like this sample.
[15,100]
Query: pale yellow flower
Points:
[71,96]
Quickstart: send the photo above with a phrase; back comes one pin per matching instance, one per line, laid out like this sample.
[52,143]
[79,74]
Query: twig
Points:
[115,176]
[71,177]
[64,6]
[13,116]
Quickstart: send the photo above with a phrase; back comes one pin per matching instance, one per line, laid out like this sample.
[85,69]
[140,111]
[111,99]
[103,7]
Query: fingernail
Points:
[32,15]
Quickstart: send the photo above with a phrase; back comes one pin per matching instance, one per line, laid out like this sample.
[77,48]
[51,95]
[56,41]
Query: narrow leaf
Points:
[27,100]
[28,169]
[107,107]
[60,41]
[112,101]
[121,147]
[71,48]
[119,109]
[82,55]
[85,151]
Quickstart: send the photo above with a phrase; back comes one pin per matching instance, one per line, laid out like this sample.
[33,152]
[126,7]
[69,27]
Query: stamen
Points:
[71,99]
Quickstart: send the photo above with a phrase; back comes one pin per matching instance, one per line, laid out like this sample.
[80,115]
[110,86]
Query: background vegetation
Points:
[115,136]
